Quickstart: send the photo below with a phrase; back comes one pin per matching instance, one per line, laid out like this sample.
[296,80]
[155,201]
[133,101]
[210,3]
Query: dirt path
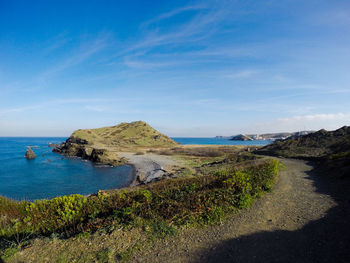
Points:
[305,219]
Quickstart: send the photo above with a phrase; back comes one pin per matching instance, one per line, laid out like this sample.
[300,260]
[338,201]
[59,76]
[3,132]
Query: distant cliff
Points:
[264,136]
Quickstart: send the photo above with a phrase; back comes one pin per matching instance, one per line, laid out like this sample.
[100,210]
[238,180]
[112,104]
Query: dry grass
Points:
[202,151]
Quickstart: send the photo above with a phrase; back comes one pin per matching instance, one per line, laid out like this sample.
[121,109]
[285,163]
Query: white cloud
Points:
[317,117]
[242,74]
[96,108]
[199,26]
[328,121]
[54,103]
[171,14]
[87,50]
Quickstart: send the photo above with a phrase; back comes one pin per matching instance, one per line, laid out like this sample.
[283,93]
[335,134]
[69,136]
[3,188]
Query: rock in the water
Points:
[241,137]
[30,154]
[53,144]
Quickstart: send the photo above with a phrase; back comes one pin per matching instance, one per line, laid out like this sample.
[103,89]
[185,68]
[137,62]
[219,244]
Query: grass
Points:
[217,151]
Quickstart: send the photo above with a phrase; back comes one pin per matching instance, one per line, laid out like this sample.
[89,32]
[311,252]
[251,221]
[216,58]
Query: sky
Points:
[188,68]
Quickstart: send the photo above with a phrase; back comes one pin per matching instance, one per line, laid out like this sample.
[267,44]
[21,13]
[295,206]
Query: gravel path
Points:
[304,219]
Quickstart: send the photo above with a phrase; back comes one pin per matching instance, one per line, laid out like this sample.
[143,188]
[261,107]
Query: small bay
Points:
[50,174]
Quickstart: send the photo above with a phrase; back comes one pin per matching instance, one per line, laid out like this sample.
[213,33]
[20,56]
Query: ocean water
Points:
[216,141]
[51,174]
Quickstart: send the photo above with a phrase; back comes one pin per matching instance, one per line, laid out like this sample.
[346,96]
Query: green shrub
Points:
[50,215]
[161,228]
[103,255]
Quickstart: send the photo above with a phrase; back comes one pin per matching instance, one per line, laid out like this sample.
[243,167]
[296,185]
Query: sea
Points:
[52,174]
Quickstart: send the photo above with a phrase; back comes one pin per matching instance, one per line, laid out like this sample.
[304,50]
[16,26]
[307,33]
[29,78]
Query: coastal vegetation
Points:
[329,149]
[155,210]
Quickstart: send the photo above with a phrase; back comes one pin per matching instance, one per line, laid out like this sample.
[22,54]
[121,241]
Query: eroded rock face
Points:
[30,154]
[80,148]
[72,139]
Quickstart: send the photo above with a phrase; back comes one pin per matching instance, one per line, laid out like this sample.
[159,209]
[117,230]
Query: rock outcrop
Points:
[30,154]
[241,137]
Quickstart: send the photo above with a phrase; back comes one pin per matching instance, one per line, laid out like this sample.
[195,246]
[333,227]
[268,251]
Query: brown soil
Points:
[304,219]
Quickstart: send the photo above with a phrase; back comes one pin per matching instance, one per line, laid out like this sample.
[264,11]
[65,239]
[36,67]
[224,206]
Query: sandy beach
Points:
[149,167]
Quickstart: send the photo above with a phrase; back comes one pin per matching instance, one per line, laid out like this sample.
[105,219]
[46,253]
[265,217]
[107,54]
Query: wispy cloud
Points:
[201,24]
[96,108]
[205,60]
[317,117]
[328,121]
[55,43]
[171,14]
[84,52]
[143,64]
[242,74]
[334,16]
[98,104]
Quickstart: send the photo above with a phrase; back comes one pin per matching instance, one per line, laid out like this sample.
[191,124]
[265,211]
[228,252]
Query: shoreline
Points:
[133,181]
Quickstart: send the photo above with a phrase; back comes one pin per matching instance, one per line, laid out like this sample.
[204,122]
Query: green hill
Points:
[331,149]
[134,134]
[102,144]
[314,145]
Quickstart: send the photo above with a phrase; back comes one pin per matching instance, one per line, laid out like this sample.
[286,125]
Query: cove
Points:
[51,174]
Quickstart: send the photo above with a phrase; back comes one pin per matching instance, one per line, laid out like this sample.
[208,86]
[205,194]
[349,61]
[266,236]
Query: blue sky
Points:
[189,68]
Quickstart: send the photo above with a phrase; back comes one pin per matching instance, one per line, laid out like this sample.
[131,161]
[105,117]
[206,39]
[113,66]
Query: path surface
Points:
[305,219]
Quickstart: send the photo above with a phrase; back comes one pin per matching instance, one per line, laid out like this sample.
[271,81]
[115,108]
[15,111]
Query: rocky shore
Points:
[74,147]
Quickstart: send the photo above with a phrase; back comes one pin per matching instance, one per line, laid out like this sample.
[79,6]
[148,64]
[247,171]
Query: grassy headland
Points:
[101,145]
[128,136]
